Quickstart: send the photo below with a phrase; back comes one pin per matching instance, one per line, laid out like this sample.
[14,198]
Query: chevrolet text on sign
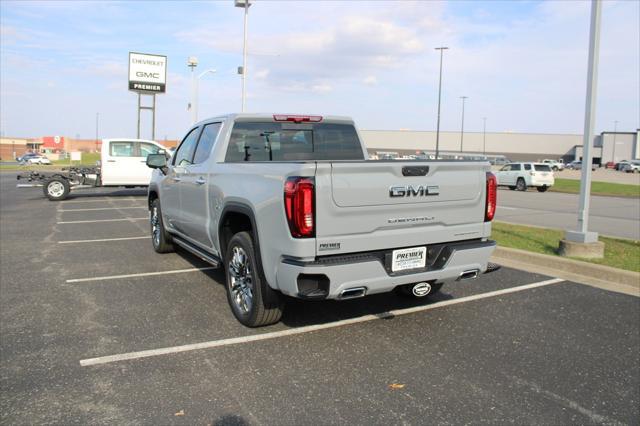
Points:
[147,73]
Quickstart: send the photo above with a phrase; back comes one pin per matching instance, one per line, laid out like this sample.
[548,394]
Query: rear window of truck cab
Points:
[267,141]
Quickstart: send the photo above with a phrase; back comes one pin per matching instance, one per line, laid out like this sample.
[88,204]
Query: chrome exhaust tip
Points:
[352,293]
[469,275]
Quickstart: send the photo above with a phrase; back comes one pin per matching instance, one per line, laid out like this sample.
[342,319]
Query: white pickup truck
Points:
[122,163]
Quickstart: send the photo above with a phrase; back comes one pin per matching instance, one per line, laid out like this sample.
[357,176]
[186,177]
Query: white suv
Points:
[556,165]
[520,176]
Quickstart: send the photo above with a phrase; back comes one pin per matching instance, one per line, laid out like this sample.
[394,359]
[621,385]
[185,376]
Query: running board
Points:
[207,257]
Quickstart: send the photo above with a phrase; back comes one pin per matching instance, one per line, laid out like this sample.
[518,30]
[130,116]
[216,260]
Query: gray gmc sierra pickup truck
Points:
[289,204]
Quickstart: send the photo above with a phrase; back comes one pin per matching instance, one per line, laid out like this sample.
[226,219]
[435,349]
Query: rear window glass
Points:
[293,142]
[542,168]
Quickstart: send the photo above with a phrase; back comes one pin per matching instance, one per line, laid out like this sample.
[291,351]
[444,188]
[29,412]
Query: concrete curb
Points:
[600,276]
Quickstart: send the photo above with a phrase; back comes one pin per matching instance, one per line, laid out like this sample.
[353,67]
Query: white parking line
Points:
[104,220]
[144,274]
[306,329]
[103,208]
[99,200]
[104,239]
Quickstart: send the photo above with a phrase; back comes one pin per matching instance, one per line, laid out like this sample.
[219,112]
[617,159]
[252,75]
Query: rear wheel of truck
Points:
[160,238]
[419,290]
[56,188]
[252,301]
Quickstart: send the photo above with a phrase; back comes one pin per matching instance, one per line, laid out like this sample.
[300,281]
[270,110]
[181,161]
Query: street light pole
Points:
[583,235]
[484,136]
[245,4]
[464,98]
[195,100]
[192,63]
[97,121]
[615,133]
[441,49]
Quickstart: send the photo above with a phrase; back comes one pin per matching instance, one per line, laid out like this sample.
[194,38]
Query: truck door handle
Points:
[200,181]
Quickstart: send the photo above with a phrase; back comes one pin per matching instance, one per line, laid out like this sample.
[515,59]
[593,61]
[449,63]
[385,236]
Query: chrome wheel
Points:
[241,280]
[155,226]
[55,189]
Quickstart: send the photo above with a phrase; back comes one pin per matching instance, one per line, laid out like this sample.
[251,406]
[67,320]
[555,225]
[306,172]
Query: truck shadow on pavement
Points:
[299,313]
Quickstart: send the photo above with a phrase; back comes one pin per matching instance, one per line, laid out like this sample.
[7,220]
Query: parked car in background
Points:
[520,176]
[556,165]
[36,159]
[577,165]
[632,167]
[621,164]
[25,157]
[610,165]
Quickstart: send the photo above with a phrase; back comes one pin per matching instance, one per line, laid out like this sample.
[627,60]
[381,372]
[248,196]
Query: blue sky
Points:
[522,64]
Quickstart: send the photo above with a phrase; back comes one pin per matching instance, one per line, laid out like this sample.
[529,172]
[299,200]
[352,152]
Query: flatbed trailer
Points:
[57,185]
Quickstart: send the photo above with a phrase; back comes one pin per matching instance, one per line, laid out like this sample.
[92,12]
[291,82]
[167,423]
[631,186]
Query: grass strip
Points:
[618,253]
[571,186]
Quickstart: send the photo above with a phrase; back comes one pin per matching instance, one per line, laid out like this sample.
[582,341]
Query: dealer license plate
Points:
[411,258]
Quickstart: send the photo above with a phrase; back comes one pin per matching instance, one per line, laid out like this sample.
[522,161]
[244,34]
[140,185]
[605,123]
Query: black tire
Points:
[513,188]
[405,290]
[521,185]
[542,188]
[56,189]
[252,301]
[160,238]
[555,168]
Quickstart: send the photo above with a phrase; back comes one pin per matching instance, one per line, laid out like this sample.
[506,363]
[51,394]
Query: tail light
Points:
[299,206]
[492,197]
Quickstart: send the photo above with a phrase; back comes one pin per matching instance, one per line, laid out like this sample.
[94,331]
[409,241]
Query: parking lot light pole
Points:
[615,133]
[245,4]
[195,100]
[192,63]
[583,243]
[441,49]
[484,136]
[464,98]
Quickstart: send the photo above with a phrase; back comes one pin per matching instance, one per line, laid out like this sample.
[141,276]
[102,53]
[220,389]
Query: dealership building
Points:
[608,146]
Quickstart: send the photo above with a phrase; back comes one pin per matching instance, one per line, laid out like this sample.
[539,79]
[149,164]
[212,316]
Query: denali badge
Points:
[329,246]
[410,191]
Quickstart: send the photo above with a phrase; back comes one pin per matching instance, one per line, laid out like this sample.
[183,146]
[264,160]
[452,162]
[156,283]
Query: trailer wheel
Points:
[56,188]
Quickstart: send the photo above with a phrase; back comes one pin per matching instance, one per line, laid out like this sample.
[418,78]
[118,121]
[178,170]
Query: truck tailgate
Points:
[369,205]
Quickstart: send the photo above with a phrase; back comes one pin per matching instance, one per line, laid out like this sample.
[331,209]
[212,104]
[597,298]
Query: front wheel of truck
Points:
[252,301]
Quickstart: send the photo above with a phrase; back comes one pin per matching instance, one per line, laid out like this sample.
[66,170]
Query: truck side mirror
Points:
[157,161]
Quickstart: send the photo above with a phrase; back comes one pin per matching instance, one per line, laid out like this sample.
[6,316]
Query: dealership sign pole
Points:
[147,76]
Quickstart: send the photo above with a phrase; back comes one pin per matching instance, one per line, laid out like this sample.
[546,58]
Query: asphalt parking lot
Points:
[97,332]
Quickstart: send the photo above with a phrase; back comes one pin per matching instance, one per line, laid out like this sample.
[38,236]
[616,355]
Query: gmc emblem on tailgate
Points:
[410,191]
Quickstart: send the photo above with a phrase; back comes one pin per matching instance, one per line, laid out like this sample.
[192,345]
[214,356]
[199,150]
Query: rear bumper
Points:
[371,270]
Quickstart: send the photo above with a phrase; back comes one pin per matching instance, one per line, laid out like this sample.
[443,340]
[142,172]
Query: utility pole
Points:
[192,63]
[484,136]
[441,49]
[615,133]
[97,121]
[464,98]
